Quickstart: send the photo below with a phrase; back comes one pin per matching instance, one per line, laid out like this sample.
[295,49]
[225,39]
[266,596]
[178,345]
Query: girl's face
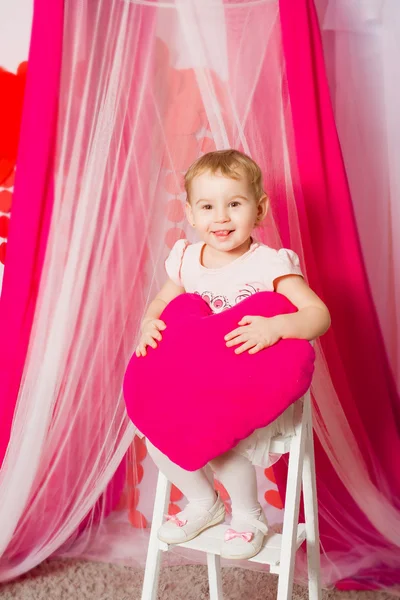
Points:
[223,210]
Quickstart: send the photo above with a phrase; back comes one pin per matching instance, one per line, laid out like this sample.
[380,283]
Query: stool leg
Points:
[311,515]
[154,552]
[291,515]
[214,576]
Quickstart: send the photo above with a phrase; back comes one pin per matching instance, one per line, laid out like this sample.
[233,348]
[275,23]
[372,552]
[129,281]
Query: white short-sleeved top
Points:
[255,271]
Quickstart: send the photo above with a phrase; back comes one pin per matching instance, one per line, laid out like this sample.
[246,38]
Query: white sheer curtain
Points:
[362,46]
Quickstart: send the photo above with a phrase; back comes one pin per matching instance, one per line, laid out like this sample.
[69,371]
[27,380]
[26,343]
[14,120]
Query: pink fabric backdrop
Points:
[32,205]
[354,347]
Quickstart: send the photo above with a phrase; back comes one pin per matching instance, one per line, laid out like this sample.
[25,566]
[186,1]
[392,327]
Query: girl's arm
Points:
[168,292]
[312,319]
[152,326]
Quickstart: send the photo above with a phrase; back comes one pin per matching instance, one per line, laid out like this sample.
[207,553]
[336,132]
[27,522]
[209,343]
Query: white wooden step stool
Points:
[279,549]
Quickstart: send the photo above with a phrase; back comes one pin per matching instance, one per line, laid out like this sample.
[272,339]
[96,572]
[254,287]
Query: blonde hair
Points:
[227,162]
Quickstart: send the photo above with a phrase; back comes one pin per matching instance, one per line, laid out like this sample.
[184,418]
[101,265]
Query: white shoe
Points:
[248,542]
[189,523]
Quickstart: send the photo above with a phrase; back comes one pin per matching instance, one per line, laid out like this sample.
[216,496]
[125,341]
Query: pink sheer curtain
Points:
[354,347]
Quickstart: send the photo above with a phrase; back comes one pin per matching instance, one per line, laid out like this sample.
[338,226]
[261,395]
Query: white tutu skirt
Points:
[256,447]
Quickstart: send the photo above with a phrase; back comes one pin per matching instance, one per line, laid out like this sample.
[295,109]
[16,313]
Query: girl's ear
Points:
[262,209]
[189,213]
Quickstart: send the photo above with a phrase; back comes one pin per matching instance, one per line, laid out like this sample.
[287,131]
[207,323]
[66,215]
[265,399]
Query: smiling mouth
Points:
[223,233]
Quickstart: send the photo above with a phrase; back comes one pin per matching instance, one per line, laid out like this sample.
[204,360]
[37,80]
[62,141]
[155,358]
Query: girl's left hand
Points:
[254,334]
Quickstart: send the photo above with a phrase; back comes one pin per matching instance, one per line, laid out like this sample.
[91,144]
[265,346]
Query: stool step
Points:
[210,541]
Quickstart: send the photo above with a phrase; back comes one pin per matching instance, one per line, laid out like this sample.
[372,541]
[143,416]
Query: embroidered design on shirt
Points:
[246,292]
[217,303]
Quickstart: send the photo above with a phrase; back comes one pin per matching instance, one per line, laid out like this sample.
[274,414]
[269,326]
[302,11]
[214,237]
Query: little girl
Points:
[225,201]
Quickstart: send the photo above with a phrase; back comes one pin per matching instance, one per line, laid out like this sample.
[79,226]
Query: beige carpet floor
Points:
[79,580]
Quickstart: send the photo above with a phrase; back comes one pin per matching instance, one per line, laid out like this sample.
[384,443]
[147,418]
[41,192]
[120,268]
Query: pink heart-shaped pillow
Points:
[194,398]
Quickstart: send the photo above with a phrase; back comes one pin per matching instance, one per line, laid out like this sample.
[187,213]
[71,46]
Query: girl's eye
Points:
[207,206]
[235,204]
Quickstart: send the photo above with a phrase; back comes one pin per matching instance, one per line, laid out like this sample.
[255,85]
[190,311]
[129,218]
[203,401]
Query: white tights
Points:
[234,471]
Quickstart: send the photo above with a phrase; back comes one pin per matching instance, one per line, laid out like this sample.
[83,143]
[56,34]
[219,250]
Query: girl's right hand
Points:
[151,334]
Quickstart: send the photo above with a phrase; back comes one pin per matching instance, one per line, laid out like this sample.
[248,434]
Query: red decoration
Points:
[135,472]
[9,182]
[273,498]
[3,248]
[12,88]
[4,224]
[176,494]
[140,449]
[138,473]
[221,490]
[269,474]
[137,519]
[5,201]
[173,509]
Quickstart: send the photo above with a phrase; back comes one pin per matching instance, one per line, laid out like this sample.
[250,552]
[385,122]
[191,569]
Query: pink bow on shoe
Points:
[175,520]
[231,534]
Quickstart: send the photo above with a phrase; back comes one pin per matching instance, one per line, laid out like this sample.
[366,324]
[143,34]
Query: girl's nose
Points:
[221,217]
